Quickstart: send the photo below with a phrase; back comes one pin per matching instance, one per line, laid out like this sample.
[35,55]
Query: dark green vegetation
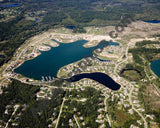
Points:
[87,109]
[16,93]
[136,69]
[39,114]
[131,74]
[30,118]
[27,113]
[142,55]
[149,98]
[14,33]
[68,13]
[119,115]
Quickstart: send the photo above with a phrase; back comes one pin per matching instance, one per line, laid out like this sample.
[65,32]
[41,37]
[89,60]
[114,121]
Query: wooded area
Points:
[66,13]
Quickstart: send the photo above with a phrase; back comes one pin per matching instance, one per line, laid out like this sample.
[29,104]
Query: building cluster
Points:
[15,64]
[45,93]
[9,13]
[30,56]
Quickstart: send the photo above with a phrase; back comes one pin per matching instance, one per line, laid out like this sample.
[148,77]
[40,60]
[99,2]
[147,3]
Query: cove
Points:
[155,67]
[70,27]
[2,56]
[153,21]
[49,62]
[9,5]
[99,77]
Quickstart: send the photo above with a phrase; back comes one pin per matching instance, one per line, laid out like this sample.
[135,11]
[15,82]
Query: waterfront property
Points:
[48,63]
[99,77]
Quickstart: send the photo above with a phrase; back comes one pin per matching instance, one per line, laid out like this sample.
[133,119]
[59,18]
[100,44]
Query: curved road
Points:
[130,101]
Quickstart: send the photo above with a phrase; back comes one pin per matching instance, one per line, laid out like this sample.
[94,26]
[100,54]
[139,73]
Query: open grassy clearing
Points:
[131,74]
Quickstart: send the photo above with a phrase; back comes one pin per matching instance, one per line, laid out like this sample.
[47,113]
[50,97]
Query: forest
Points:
[16,92]
[25,95]
[141,53]
[63,13]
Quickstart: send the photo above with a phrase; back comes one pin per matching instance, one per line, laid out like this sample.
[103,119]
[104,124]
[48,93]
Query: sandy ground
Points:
[46,37]
[141,29]
[136,31]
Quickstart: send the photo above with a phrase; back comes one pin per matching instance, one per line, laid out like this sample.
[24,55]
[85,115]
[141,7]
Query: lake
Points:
[2,56]
[9,5]
[99,77]
[70,27]
[155,66]
[49,62]
[153,21]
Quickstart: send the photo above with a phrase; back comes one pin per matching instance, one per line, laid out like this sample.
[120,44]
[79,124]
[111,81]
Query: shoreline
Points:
[34,43]
[152,72]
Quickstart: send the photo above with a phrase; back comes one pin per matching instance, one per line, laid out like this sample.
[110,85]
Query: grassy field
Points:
[121,117]
[131,74]
[151,97]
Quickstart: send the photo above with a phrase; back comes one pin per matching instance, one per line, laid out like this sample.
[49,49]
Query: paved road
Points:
[130,101]
[120,59]
[130,94]
[151,80]
[60,113]
[109,121]
[15,109]
[20,54]
[76,121]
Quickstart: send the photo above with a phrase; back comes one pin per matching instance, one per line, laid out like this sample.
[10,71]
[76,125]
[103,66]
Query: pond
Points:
[99,77]
[153,21]
[9,5]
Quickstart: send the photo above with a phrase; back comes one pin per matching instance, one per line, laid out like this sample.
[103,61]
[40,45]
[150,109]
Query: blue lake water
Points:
[49,62]
[153,21]
[70,27]
[30,15]
[9,5]
[155,66]
[2,56]
[99,77]
[36,19]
